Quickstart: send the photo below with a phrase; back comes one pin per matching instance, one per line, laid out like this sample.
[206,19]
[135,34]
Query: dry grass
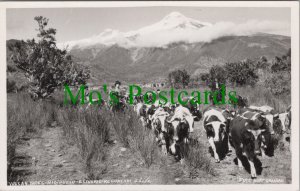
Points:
[133,135]
[197,159]
[89,130]
[259,96]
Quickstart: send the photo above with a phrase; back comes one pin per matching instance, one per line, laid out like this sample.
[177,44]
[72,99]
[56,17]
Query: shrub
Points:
[179,78]
[279,83]
[217,72]
[242,73]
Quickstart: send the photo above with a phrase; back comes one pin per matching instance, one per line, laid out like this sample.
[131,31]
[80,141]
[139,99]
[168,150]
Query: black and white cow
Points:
[183,114]
[217,129]
[177,137]
[158,123]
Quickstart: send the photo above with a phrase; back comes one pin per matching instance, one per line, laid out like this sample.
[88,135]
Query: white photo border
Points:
[293,5]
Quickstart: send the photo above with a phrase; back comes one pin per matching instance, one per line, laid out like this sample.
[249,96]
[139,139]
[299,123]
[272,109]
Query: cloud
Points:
[161,37]
[209,33]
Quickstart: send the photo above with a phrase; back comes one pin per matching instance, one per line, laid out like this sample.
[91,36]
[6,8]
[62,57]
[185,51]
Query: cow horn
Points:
[276,115]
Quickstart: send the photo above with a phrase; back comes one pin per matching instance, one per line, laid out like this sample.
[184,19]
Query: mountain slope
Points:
[141,64]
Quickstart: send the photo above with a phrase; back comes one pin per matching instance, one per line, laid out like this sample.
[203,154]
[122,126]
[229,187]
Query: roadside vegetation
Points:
[134,136]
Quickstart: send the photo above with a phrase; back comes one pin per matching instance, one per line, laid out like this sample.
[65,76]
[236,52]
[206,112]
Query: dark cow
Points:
[241,102]
[267,144]
[246,138]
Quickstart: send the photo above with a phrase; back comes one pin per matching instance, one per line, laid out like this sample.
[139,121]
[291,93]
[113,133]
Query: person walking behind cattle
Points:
[216,91]
[117,104]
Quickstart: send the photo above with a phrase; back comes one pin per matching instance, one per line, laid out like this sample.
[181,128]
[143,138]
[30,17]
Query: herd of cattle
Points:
[250,130]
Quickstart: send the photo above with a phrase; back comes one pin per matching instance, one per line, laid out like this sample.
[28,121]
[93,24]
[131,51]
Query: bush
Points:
[179,78]
[219,73]
[242,73]
[279,83]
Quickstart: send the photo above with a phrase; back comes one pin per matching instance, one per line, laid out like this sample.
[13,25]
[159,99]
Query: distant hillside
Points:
[109,63]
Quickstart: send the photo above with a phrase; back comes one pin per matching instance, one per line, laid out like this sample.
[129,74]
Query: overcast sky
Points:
[79,23]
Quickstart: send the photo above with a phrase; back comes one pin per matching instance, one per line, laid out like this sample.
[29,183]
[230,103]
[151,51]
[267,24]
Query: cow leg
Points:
[182,161]
[143,121]
[180,152]
[263,155]
[161,137]
[162,122]
[213,146]
[240,164]
[172,148]
[229,146]
[252,168]
[156,133]
[190,120]
[164,149]
[239,155]
[228,142]
[186,140]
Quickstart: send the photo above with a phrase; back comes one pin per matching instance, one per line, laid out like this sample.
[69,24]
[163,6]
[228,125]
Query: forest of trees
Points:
[273,74]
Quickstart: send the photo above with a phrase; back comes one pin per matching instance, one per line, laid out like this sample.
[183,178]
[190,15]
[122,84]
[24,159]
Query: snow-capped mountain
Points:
[174,28]
[168,30]
[175,42]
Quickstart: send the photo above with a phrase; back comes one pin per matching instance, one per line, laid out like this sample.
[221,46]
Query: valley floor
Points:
[49,158]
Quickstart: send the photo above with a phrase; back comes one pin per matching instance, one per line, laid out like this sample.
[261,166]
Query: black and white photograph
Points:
[150,93]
